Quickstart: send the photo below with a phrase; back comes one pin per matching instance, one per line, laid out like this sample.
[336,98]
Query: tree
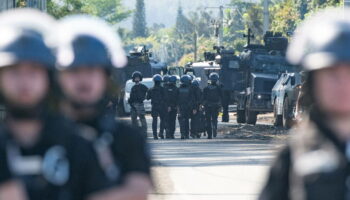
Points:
[286,16]
[110,10]
[301,5]
[183,26]
[139,23]
[64,7]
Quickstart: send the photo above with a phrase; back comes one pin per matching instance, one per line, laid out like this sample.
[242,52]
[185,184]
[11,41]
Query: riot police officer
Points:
[212,96]
[137,96]
[84,82]
[41,154]
[185,105]
[171,101]
[197,97]
[166,80]
[156,95]
[315,163]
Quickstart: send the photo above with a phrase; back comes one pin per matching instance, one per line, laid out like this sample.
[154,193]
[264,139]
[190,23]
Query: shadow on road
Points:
[203,153]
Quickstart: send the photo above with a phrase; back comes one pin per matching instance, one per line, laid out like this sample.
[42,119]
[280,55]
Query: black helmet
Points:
[136,74]
[17,45]
[166,78]
[195,82]
[89,42]
[322,41]
[172,79]
[185,79]
[191,76]
[157,78]
[214,77]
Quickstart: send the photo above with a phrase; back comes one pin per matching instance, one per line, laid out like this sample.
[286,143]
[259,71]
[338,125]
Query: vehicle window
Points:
[292,80]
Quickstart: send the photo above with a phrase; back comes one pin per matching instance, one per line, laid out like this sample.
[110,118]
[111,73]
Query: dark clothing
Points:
[211,116]
[226,97]
[314,165]
[195,118]
[170,123]
[125,144]
[156,94]
[212,98]
[137,96]
[197,97]
[60,166]
[186,105]
[212,95]
[171,101]
[158,113]
[171,95]
[138,93]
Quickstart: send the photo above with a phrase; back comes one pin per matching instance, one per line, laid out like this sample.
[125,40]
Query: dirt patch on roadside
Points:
[263,130]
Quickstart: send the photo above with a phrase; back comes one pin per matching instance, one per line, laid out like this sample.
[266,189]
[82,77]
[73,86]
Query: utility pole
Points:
[219,24]
[266,16]
[195,46]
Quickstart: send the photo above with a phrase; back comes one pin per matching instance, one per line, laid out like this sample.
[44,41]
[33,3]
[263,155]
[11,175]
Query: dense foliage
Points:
[194,32]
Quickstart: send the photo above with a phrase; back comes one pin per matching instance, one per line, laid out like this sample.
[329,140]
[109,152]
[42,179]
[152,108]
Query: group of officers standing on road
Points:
[58,142]
[187,102]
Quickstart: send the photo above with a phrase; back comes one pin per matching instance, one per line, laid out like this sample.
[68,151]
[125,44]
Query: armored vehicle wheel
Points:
[251,117]
[241,116]
[287,120]
[278,118]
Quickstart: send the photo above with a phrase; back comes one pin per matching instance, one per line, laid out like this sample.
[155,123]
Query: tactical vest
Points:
[213,94]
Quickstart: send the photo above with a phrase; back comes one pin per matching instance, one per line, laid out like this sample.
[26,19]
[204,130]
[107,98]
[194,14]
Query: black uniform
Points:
[171,101]
[137,96]
[60,166]
[121,149]
[195,118]
[314,165]
[226,98]
[185,104]
[212,102]
[156,94]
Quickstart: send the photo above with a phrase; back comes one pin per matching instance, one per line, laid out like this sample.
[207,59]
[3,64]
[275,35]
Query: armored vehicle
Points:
[260,67]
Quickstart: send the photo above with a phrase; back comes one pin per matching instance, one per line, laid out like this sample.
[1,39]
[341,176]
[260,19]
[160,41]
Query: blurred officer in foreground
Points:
[185,105]
[212,96]
[315,163]
[156,95]
[41,155]
[197,96]
[137,96]
[84,81]
[171,101]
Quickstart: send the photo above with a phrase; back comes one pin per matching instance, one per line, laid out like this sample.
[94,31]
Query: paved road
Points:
[204,169]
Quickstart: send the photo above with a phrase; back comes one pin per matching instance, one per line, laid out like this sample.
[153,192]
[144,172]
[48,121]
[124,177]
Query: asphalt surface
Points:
[202,169]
